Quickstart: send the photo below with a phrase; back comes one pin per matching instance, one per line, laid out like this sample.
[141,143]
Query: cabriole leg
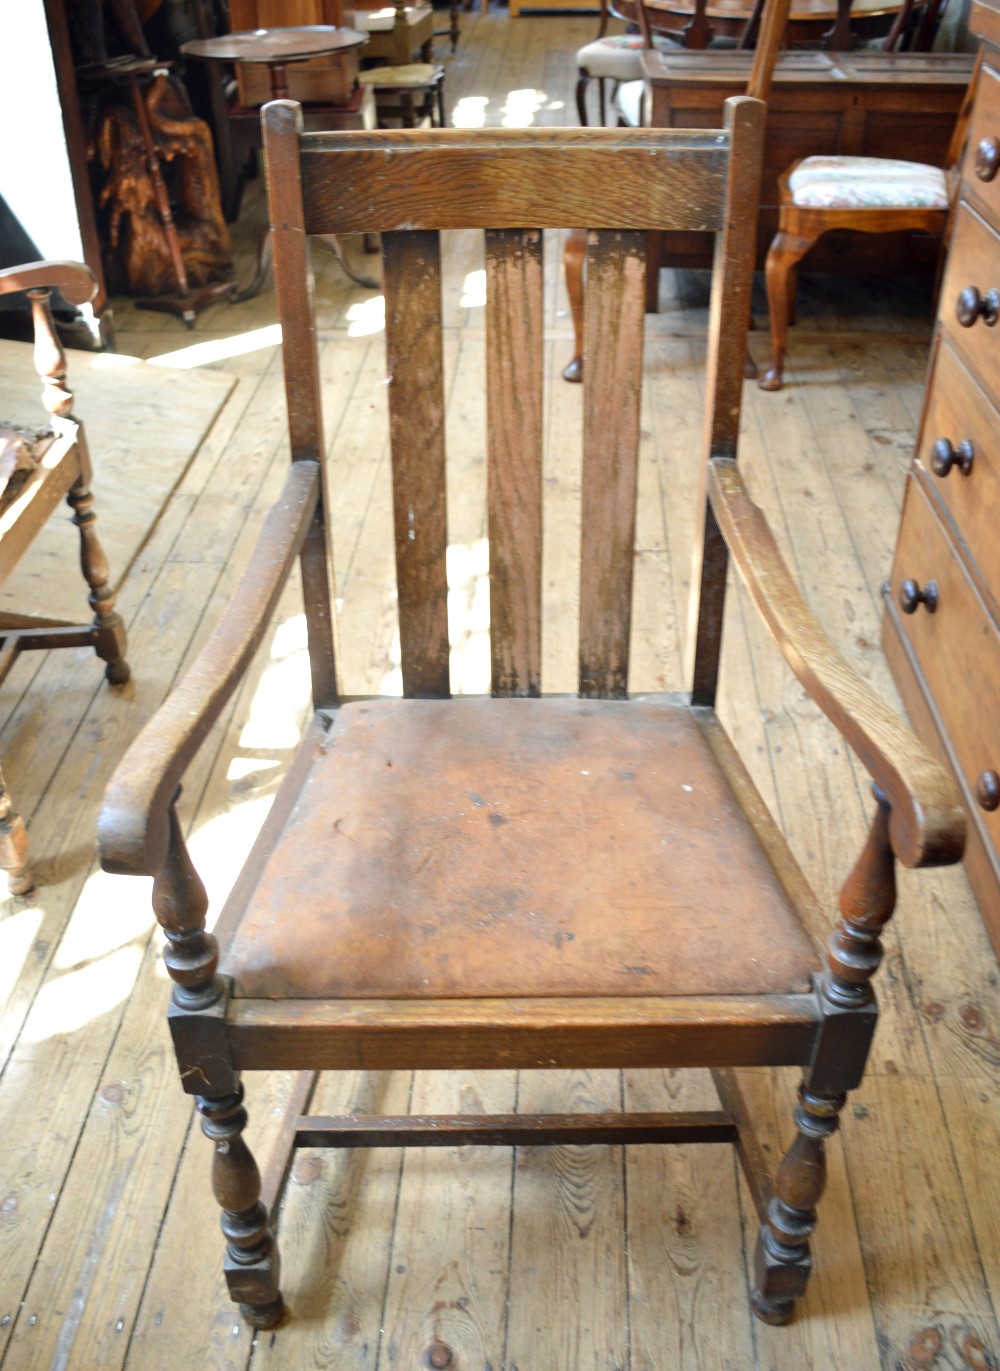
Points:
[781,274]
[252,1263]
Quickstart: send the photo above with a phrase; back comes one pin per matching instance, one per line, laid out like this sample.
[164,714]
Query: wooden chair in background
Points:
[819,195]
[767,23]
[514,881]
[617,57]
[40,470]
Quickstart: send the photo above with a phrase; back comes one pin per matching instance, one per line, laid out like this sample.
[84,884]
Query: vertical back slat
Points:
[412,264]
[293,286]
[616,282]
[514,457]
[729,315]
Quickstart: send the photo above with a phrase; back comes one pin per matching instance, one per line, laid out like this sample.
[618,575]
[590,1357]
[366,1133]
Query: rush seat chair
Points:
[473,882]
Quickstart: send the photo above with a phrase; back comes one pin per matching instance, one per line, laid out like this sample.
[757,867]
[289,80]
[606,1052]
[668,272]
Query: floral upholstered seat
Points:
[616,57]
[867,183]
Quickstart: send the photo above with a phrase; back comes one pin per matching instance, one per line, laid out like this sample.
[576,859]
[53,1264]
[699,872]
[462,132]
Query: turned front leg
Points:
[782,1262]
[252,1263]
[197,1021]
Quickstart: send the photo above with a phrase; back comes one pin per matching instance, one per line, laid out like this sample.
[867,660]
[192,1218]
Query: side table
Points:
[276,49]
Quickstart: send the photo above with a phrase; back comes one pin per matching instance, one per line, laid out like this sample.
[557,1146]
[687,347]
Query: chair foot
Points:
[773,378]
[270,1315]
[774,1312]
[117,673]
[573,370]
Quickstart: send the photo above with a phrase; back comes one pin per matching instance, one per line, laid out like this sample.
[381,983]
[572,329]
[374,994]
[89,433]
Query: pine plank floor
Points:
[539,1259]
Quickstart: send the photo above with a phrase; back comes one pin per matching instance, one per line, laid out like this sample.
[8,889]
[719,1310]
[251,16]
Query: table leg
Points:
[332,241]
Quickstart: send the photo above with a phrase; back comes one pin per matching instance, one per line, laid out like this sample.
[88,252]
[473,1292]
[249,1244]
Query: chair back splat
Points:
[512,184]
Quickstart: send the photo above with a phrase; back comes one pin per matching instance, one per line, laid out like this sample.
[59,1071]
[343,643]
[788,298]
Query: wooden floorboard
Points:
[110,1253]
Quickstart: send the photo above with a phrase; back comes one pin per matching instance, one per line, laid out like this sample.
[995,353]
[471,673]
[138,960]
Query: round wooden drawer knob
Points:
[987,160]
[911,596]
[971,306]
[988,790]
[944,457]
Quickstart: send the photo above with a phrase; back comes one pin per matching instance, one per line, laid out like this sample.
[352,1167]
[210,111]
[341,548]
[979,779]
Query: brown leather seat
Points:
[398,892]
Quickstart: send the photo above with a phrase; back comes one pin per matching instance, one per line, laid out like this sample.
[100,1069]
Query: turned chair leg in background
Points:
[111,641]
[13,846]
[574,256]
[781,272]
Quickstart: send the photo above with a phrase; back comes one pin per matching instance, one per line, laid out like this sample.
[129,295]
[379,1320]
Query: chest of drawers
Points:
[941,629]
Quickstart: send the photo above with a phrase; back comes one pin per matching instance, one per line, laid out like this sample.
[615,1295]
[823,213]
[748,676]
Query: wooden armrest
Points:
[133,826]
[927,824]
[74,281]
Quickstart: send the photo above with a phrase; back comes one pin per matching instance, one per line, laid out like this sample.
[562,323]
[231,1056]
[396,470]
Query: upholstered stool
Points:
[407,94]
[867,183]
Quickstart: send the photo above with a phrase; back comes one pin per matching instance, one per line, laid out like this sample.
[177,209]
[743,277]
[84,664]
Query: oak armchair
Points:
[42,468]
[476,882]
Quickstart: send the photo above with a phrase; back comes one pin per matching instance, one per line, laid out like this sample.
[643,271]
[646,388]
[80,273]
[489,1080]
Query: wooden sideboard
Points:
[871,104]
[941,628]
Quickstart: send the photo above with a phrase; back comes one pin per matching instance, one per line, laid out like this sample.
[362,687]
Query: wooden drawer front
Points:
[957,646]
[973,261]
[960,412]
[981,168]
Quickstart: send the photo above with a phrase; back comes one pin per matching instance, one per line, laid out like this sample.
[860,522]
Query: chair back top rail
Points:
[513,184]
[516,178]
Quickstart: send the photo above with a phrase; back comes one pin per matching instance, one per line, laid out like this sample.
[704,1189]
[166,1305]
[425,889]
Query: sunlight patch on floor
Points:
[67,1003]
[112,912]
[470,112]
[366,317]
[17,938]
[521,107]
[473,290]
[469,616]
[218,349]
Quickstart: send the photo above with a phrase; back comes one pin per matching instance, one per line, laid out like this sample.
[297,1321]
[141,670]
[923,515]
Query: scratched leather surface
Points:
[517,848]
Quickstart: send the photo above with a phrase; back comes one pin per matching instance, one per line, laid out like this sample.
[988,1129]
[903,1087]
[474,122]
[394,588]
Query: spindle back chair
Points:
[512,881]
